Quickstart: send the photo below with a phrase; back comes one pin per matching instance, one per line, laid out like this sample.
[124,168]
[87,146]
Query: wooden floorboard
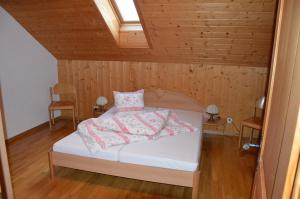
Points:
[225,173]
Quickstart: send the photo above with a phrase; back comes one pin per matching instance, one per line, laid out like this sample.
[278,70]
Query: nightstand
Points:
[217,122]
[97,111]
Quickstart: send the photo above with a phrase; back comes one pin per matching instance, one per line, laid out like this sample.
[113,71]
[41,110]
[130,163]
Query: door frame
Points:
[6,178]
[285,173]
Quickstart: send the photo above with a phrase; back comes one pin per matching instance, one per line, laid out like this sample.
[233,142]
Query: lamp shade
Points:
[260,103]
[212,109]
[101,101]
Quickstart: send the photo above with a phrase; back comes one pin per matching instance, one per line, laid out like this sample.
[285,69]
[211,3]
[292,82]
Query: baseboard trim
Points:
[29,132]
[220,133]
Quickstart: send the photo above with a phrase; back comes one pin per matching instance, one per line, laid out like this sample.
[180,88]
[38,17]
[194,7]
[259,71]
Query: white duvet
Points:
[101,133]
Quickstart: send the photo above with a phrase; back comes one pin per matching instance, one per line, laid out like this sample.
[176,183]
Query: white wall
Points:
[27,70]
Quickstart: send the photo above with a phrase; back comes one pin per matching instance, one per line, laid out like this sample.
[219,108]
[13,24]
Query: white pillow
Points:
[129,101]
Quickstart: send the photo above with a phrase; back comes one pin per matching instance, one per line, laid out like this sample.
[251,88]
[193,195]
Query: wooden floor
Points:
[225,173]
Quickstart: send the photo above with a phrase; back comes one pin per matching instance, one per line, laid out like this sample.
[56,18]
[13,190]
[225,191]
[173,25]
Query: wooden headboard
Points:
[170,99]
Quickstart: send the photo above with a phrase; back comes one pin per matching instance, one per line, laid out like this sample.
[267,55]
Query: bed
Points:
[162,161]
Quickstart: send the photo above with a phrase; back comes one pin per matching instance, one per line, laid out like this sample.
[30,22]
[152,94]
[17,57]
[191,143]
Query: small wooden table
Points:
[97,111]
[217,122]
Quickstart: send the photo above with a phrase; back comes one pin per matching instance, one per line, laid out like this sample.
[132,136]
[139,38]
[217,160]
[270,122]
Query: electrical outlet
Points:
[229,120]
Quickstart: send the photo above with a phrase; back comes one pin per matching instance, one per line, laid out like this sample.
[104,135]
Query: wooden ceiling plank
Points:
[193,31]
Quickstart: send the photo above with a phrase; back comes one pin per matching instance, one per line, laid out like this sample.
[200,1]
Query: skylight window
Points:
[123,22]
[126,11]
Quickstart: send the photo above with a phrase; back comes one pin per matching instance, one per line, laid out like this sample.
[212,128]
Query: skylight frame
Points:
[119,15]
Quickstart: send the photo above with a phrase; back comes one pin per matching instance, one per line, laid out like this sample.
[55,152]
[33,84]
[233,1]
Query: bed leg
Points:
[51,166]
[195,188]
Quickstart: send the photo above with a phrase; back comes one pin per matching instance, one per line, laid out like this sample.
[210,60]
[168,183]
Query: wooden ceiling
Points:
[235,32]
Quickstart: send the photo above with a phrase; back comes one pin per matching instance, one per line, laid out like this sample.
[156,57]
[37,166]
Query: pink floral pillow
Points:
[129,101]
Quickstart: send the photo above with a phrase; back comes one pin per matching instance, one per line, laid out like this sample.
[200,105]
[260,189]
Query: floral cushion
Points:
[129,101]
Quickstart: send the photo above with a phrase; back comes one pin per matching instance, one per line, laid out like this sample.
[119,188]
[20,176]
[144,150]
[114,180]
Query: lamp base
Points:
[98,110]
[211,117]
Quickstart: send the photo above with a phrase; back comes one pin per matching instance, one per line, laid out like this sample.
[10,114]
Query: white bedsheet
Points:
[181,152]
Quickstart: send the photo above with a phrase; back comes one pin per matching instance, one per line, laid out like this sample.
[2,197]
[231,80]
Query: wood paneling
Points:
[231,32]
[109,17]
[233,88]
[133,39]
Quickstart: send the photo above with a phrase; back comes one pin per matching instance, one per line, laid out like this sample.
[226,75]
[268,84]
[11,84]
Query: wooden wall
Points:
[233,88]
[232,32]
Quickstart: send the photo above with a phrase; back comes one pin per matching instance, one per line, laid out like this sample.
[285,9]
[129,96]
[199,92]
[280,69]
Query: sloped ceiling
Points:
[235,32]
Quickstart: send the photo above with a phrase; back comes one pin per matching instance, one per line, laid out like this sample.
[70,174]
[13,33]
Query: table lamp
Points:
[101,102]
[212,110]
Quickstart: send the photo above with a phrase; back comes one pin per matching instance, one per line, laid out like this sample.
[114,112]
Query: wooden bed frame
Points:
[156,98]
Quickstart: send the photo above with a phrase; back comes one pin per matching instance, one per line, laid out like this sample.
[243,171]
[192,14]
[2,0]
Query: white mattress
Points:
[73,144]
[181,152]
